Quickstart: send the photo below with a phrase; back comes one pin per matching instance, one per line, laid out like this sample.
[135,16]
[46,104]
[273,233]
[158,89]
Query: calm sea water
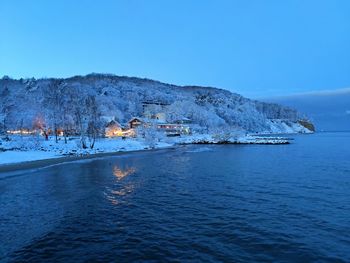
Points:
[253,203]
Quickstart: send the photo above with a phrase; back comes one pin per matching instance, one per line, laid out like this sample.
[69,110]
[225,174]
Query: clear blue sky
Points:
[257,48]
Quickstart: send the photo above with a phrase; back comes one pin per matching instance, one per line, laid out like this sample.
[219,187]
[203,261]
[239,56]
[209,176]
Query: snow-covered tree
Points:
[61,103]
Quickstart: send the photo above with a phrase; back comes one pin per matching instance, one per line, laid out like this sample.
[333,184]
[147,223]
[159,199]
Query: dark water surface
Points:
[286,203]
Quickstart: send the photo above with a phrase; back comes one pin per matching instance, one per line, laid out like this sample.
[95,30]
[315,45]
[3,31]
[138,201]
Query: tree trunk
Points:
[93,143]
[56,137]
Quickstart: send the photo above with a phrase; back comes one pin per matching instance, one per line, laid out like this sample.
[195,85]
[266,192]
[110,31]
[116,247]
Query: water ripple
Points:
[212,204]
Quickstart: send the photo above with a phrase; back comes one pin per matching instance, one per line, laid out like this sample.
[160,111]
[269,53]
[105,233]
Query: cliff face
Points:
[328,110]
[307,124]
[63,101]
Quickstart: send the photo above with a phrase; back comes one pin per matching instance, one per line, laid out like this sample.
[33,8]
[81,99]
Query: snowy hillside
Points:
[329,110]
[75,102]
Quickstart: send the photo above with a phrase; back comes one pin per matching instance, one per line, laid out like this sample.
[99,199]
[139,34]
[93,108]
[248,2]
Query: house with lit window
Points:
[113,129]
[135,122]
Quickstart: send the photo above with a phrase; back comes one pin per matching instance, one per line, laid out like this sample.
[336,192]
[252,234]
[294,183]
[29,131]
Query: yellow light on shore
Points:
[119,133]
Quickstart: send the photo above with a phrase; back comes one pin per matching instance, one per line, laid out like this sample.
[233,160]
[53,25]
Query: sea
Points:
[197,203]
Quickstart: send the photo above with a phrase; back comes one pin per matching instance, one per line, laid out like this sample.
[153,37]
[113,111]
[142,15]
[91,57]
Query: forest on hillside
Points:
[87,103]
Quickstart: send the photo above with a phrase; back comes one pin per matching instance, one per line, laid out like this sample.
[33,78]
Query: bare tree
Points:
[80,121]
[94,123]
[7,107]
[67,109]
[53,101]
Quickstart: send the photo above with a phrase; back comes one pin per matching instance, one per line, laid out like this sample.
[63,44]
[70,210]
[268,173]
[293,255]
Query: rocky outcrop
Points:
[307,124]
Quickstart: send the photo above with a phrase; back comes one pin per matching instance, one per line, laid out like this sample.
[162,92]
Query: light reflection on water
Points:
[120,188]
[121,173]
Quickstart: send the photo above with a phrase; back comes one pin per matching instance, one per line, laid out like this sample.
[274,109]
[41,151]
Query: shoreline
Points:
[42,163]
[11,167]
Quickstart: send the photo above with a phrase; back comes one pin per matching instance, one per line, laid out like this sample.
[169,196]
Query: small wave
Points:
[202,149]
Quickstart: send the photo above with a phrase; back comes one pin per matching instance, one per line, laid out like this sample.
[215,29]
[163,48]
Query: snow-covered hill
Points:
[329,110]
[71,102]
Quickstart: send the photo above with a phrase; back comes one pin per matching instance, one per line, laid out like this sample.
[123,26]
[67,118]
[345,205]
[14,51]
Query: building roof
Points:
[146,120]
[113,123]
[107,118]
[138,118]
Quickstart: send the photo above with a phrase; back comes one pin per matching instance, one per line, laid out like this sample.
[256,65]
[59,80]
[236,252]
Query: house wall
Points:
[174,128]
[154,111]
[134,124]
[161,116]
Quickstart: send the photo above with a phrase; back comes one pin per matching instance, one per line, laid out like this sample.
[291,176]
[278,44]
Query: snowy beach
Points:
[19,149]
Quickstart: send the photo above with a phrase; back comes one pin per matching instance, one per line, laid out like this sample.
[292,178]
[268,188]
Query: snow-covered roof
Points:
[113,123]
[146,120]
[108,118]
[138,118]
